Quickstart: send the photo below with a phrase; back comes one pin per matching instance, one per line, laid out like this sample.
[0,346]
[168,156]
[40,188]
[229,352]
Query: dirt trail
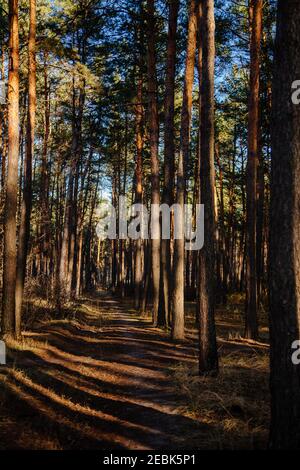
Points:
[99,381]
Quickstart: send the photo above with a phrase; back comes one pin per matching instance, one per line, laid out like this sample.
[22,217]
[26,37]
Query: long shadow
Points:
[115,345]
[149,418]
[131,412]
[135,385]
[44,420]
[130,422]
[125,333]
[102,382]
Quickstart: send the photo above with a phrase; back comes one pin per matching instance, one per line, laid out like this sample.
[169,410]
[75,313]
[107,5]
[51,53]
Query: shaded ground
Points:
[107,379]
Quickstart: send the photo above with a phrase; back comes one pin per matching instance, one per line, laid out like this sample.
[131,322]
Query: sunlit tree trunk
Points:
[10,249]
[251,329]
[27,196]
[64,286]
[138,275]
[3,139]
[177,303]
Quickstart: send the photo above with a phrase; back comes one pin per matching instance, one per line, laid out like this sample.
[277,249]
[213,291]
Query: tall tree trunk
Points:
[10,250]
[197,200]
[177,303]
[169,157]
[284,256]
[251,329]
[222,272]
[139,190]
[154,136]
[2,135]
[44,189]
[70,220]
[208,357]
[122,243]
[260,224]
[83,203]
[27,197]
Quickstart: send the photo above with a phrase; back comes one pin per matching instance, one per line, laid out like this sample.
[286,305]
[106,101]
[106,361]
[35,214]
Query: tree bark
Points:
[70,218]
[177,303]
[27,196]
[139,189]
[169,157]
[208,357]
[154,136]
[251,328]
[44,189]
[10,250]
[284,256]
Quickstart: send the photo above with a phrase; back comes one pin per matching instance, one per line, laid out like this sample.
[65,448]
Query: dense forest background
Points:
[159,102]
[92,136]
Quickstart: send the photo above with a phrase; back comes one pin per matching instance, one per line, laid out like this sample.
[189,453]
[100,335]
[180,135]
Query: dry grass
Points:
[18,433]
[235,405]
[233,408]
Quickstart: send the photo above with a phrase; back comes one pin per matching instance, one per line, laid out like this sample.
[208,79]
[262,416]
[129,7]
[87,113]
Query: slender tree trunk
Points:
[177,304]
[139,190]
[2,136]
[154,136]
[3,157]
[79,264]
[284,257]
[123,242]
[169,157]
[10,250]
[44,189]
[64,254]
[70,219]
[260,224]
[208,357]
[222,284]
[147,268]
[27,197]
[251,329]
[197,200]
[83,202]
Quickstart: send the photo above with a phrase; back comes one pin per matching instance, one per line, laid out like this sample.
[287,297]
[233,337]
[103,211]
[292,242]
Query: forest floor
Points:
[104,378]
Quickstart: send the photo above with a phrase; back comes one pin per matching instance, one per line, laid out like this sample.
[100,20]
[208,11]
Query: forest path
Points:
[100,380]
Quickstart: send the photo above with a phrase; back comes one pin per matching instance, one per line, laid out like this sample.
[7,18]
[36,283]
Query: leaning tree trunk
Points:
[284,256]
[251,329]
[27,196]
[177,302]
[154,135]
[208,357]
[10,210]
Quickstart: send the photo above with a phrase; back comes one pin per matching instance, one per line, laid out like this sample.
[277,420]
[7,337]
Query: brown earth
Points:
[106,379]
